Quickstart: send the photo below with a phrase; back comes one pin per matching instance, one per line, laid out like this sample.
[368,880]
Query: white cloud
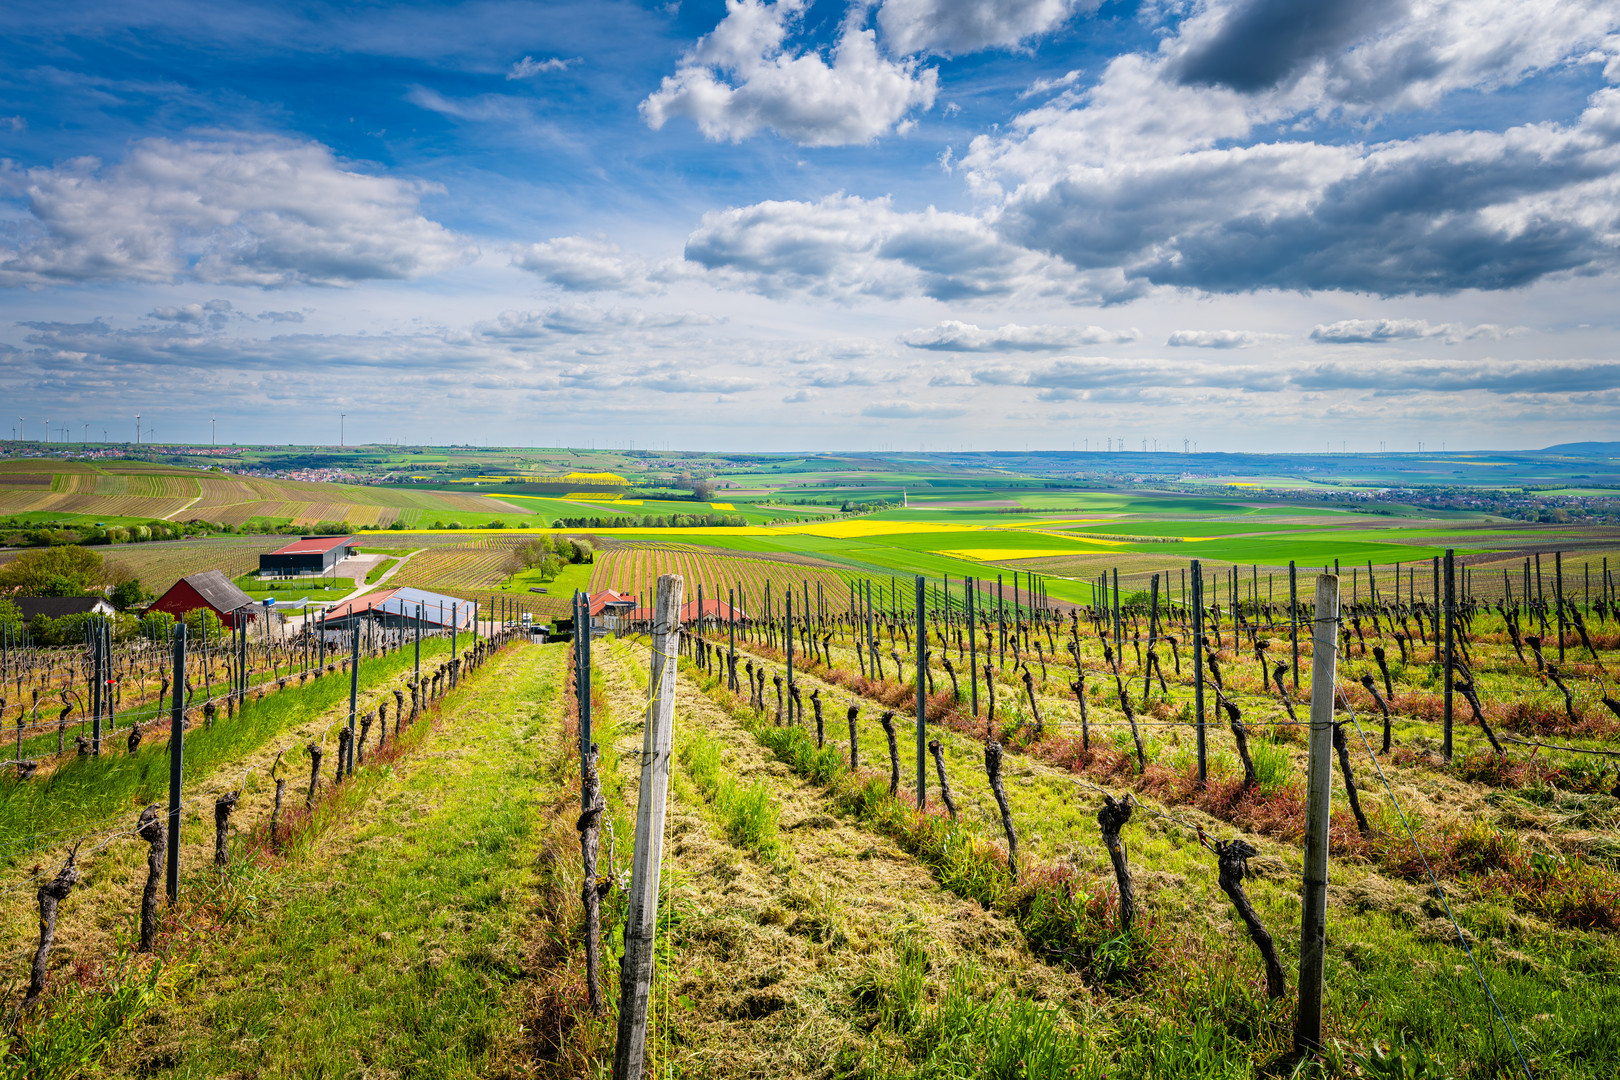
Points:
[1153,170]
[528,67]
[1217,339]
[1497,209]
[281,316]
[1374,55]
[233,210]
[911,410]
[215,312]
[574,320]
[845,247]
[1046,86]
[482,109]
[1373,331]
[583,264]
[954,336]
[955,27]
[742,79]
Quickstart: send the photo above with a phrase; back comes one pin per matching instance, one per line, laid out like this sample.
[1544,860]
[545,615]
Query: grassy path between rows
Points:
[1394,963]
[388,946]
[811,947]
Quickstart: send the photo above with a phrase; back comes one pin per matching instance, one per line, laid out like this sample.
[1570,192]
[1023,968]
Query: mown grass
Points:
[746,813]
[84,791]
[380,940]
[1396,973]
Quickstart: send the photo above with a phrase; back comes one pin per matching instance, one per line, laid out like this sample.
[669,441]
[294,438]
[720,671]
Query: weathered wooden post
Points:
[582,672]
[922,696]
[590,825]
[641,921]
[1450,659]
[1318,804]
[1198,670]
[177,760]
[973,647]
[1293,615]
[346,765]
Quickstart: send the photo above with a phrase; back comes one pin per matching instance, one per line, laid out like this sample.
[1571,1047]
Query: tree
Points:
[127,594]
[550,567]
[50,571]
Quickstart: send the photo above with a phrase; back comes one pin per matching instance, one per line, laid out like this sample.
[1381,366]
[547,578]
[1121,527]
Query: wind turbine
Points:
[137,429]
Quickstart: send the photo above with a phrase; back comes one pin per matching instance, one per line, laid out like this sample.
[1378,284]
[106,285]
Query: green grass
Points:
[85,791]
[315,588]
[387,948]
[571,577]
[380,569]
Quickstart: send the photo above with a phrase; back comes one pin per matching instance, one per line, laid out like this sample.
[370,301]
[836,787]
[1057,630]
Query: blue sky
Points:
[1251,224]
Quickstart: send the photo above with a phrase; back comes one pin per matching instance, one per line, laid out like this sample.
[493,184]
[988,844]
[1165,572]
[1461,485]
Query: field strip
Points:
[170,515]
[784,943]
[392,939]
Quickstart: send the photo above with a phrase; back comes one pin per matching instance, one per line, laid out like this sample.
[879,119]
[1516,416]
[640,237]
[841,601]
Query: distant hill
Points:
[1593,449]
[114,489]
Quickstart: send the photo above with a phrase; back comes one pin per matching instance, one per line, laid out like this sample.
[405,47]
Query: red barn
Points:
[209,589]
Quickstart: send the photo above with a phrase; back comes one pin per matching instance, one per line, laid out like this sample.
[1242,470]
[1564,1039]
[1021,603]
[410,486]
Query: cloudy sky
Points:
[1252,224]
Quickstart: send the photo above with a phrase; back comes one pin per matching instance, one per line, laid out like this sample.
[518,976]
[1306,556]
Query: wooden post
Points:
[1558,598]
[177,760]
[1450,657]
[1293,614]
[922,696]
[973,646]
[346,764]
[1198,669]
[1318,804]
[641,921]
[582,672]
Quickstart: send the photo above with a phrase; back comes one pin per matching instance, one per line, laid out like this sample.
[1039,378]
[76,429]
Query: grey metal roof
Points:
[220,591]
[54,607]
[405,600]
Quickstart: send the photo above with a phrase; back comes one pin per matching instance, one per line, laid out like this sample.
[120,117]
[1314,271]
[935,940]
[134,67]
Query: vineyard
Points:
[1480,833]
[131,490]
[470,568]
[635,568]
[160,564]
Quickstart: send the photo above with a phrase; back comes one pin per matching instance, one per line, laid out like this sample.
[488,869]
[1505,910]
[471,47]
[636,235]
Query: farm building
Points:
[713,609]
[308,555]
[608,608]
[401,608]
[56,607]
[209,589]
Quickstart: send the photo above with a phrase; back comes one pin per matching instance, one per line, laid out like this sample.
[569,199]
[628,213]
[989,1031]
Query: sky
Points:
[1234,225]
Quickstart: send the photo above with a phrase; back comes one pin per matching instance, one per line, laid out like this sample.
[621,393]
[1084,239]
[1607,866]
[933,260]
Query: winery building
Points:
[308,555]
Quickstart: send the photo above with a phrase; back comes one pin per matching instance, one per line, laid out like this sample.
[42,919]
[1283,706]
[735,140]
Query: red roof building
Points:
[713,610]
[209,589]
